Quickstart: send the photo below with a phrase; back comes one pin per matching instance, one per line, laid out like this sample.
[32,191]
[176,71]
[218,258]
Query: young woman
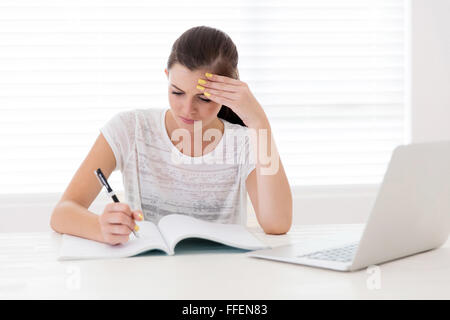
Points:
[207,175]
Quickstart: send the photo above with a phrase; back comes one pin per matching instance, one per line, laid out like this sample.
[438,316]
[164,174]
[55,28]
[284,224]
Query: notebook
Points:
[169,231]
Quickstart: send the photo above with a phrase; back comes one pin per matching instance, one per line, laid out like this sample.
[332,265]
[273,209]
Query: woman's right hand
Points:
[117,222]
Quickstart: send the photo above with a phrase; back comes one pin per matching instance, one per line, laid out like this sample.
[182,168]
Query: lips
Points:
[187,120]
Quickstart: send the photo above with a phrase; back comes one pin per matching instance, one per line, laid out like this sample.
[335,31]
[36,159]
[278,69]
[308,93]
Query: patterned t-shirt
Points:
[160,180]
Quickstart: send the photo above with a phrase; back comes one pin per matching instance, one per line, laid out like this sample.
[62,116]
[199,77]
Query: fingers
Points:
[120,207]
[223,94]
[208,85]
[118,221]
[217,85]
[119,229]
[117,239]
[119,218]
[222,100]
[116,233]
[228,80]
[138,215]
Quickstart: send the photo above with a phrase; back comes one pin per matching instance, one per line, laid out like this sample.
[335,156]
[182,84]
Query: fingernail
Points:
[200,87]
[209,75]
[201,81]
[206,94]
[141,217]
[136,228]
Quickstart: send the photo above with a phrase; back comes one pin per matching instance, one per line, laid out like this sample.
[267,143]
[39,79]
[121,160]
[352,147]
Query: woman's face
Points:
[188,103]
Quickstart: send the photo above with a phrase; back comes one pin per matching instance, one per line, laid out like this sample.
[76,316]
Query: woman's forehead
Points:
[184,79]
[181,73]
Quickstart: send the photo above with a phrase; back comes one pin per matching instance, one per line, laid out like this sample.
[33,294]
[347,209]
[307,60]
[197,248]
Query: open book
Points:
[169,231]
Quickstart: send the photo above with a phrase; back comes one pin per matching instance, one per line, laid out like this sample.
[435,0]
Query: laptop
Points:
[411,214]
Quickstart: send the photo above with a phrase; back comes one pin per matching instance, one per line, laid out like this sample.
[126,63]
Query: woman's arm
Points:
[268,188]
[71,218]
[70,214]
[267,185]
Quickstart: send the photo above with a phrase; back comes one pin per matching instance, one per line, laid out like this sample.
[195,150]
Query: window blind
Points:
[329,74]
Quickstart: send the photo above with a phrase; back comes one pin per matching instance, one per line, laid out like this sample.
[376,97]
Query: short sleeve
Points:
[248,162]
[119,132]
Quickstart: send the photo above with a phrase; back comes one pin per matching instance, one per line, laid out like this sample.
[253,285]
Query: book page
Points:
[176,227]
[73,247]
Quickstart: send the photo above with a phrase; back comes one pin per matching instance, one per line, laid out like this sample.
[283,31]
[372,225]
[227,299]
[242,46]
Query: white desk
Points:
[29,269]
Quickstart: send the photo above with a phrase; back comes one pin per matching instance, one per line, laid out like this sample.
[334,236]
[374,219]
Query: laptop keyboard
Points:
[341,254]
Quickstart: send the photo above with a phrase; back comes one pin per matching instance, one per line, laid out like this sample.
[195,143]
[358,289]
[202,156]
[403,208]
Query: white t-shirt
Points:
[160,180]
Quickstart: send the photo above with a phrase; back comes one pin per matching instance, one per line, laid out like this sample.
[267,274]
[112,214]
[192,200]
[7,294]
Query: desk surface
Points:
[29,270]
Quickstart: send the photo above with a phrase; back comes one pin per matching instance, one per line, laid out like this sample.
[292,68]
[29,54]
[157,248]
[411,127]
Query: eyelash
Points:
[180,93]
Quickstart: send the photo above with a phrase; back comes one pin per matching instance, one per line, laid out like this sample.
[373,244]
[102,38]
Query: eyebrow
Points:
[200,94]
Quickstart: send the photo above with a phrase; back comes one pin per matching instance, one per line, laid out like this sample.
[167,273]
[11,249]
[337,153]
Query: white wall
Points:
[31,212]
[430,72]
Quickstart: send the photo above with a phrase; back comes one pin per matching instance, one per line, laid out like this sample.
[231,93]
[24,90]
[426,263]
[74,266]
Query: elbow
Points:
[281,226]
[282,222]
[54,219]
[277,230]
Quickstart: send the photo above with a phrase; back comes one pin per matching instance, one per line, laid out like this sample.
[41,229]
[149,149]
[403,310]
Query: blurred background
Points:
[342,82]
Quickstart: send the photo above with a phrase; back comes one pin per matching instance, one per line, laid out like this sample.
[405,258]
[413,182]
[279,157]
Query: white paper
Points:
[79,248]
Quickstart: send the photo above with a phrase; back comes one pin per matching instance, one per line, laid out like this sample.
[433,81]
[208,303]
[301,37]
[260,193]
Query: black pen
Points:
[99,174]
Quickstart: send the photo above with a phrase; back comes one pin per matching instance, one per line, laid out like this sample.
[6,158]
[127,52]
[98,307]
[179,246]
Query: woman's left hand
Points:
[236,95]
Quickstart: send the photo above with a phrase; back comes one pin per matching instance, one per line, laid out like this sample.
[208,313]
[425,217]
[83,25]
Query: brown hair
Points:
[204,47]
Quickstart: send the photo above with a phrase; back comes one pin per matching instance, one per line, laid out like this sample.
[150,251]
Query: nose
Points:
[190,108]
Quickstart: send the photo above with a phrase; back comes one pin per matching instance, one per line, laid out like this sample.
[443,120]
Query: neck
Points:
[196,136]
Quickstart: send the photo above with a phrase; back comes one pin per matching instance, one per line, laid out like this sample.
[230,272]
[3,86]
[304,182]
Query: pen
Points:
[99,174]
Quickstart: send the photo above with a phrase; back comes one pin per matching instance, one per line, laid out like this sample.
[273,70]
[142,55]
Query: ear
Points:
[167,73]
